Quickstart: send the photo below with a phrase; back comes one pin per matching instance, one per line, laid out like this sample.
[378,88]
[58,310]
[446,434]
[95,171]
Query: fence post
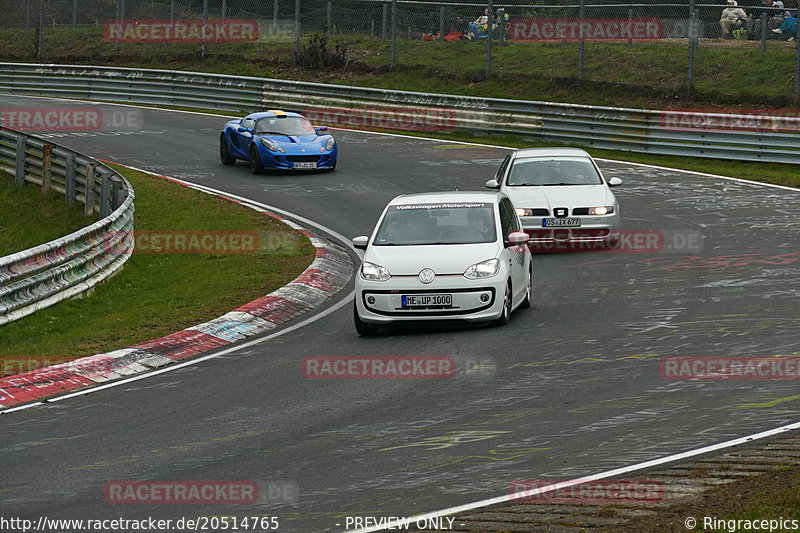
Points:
[88,206]
[630,23]
[501,16]
[394,33]
[383,21]
[172,11]
[119,22]
[797,68]
[69,193]
[47,160]
[28,15]
[692,42]
[490,29]
[205,23]
[74,14]
[329,26]
[296,27]
[274,17]
[581,51]
[441,23]
[20,169]
[40,45]
[224,11]
[764,30]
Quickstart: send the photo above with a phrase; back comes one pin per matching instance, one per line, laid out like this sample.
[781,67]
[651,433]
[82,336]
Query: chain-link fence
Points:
[746,50]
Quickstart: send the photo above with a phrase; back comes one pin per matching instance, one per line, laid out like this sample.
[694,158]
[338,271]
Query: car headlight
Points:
[271,146]
[601,210]
[329,143]
[373,272]
[484,269]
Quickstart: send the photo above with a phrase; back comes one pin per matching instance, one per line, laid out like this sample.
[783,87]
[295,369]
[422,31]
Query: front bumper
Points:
[277,160]
[381,303]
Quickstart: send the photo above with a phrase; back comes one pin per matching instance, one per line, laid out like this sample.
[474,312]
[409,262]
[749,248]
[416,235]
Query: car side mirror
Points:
[321,128]
[492,184]
[613,182]
[361,242]
[242,129]
[517,238]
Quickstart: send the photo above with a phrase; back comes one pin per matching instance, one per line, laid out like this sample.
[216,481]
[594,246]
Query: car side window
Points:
[508,219]
[502,170]
[248,123]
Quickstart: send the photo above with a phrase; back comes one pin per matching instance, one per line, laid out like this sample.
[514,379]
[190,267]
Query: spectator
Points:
[788,29]
[484,19]
[763,17]
[732,17]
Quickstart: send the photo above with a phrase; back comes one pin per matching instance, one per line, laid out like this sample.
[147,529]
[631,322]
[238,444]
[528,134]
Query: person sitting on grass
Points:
[788,29]
[732,17]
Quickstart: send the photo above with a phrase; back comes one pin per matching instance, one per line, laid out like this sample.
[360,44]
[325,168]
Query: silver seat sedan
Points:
[561,197]
[455,255]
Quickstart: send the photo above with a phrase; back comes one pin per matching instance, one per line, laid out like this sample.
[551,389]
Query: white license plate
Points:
[427,300]
[312,164]
[561,222]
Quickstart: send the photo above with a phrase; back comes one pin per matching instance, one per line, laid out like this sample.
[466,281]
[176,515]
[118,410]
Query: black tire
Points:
[526,303]
[224,152]
[362,328]
[505,316]
[256,167]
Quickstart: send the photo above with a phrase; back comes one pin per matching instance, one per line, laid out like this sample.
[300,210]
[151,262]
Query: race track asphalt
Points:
[570,387]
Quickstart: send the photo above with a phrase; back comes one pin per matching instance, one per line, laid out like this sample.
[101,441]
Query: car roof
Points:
[272,113]
[448,197]
[551,152]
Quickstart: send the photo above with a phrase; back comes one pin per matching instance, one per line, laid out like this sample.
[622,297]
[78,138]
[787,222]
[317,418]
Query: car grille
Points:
[580,211]
[302,158]
[538,212]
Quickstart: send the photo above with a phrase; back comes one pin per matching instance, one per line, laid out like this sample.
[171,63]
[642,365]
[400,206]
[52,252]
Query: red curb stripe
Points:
[318,279]
[182,344]
[274,309]
[38,384]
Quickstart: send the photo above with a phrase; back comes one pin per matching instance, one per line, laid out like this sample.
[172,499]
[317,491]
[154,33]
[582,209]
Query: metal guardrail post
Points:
[105,193]
[69,190]
[22,145]
[88,206]
[47,161]
[116,190]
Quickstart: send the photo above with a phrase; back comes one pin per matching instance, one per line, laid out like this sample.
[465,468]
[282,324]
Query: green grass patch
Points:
[159,293]
[29,218]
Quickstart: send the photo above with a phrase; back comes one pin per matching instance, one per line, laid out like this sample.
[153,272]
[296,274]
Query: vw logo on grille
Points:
[426,275]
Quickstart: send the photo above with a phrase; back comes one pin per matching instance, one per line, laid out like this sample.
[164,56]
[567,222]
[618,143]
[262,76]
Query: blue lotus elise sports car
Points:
[277,140]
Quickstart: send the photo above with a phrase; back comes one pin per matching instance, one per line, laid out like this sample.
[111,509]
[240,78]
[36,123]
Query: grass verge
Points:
[159,293]
[46,217]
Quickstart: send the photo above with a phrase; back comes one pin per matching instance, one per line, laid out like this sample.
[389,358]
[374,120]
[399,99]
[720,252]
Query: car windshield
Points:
[284,126]
[444,223]
[543,171]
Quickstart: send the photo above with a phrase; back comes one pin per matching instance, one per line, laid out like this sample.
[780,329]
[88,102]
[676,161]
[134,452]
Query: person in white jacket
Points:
[731,16]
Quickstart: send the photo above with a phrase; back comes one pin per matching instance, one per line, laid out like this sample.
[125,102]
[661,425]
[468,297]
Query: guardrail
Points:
[46,274]
[714,135]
